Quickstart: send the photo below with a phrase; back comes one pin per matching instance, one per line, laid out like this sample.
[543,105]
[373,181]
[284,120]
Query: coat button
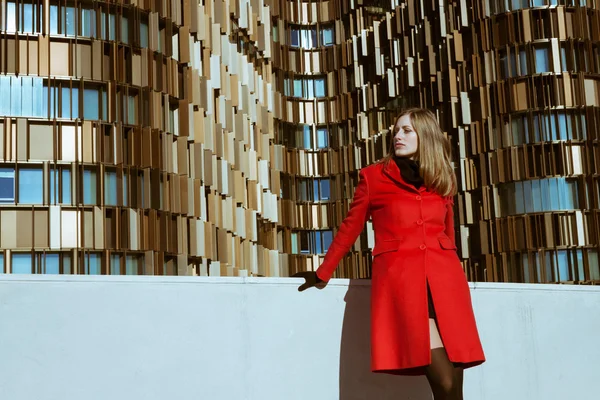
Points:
[418,197]
[419,222]
[422,247]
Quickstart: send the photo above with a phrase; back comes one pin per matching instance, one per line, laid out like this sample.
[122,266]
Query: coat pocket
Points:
[386,246]
[446,243]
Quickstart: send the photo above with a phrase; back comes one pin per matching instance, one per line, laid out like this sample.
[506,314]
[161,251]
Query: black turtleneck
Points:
[409,169]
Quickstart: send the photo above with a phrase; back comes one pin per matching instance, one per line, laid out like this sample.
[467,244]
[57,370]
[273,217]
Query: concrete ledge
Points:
[137,337]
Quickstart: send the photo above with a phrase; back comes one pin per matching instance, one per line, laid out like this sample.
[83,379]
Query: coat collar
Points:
[393,172]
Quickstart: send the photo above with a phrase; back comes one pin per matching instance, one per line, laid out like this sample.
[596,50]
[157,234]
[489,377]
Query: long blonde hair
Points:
[433,153]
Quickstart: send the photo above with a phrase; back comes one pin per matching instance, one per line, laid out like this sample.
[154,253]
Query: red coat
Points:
[414,244]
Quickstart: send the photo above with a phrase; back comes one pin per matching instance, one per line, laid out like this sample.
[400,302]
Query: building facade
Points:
[224,137]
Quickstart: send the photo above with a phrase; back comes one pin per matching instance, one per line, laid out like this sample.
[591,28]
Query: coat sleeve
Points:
[449,231]
[349,230]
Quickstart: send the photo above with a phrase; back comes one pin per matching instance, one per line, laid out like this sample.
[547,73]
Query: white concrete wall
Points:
[146,338]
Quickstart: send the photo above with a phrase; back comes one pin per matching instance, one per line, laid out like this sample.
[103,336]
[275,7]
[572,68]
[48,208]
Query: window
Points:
[21,263]
[2,271]
[315,242]
[51,264]
[322,138]
[115,264]
[60,185]
[307,88]
[125,29]
[7,185]
[541,195]
[542,59]
[70,102]
[125,190]
[91,104]
[89,187]
[133,265]
[31,186]
[88,22]
[110,188]
[92,264]
[11,17]
[144,34]
[327,36]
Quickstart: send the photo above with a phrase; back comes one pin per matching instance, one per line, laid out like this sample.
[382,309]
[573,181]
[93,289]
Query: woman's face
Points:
[406,140]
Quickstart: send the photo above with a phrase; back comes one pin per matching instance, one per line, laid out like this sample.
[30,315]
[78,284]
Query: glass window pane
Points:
[110,188]
[144,34]
[327,239]
[295,42]
[522,62]
[54,20]
[89,187]
[307,137]
[66,186]
[91,104]
[16,83]
[31,185]
[519,199]
[320,87]
[88,22]
[93,264]
[131,265]
[125,190]
[318,242]
[594,264]
[298,88]
[327,36]
[7,185]
[52,264]
[66,102]
[542,62]
[5,87]
[325,189]
[21,263]
[528,196]
[11,17]
[309,88]
[571,196]
[563,266]
[115,264]
[553,194]
[27,96]
[322,138]
[2,271]
[70,21]
[111,27]
[536,195]
[124,29]
[563,133]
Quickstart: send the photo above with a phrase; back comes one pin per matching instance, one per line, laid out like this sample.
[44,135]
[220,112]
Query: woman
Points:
[422,320]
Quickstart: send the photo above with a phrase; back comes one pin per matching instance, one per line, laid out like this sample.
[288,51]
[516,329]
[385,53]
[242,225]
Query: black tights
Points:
[445,379]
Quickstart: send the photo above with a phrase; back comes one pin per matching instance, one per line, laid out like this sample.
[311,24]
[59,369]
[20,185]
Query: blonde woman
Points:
[422,321]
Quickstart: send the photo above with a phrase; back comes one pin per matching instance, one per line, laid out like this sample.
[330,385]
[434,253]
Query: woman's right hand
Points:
[311,279]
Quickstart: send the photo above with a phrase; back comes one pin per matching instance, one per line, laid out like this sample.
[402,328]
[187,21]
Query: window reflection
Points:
[311,37]
[529,128]
[306,87]
[543,195]
[31,186]
[313,190]
[315,242]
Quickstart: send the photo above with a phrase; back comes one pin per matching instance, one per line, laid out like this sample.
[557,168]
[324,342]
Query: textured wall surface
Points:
[78,337]
[223,137]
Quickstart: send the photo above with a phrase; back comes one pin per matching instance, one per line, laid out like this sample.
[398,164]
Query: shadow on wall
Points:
[357,382]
